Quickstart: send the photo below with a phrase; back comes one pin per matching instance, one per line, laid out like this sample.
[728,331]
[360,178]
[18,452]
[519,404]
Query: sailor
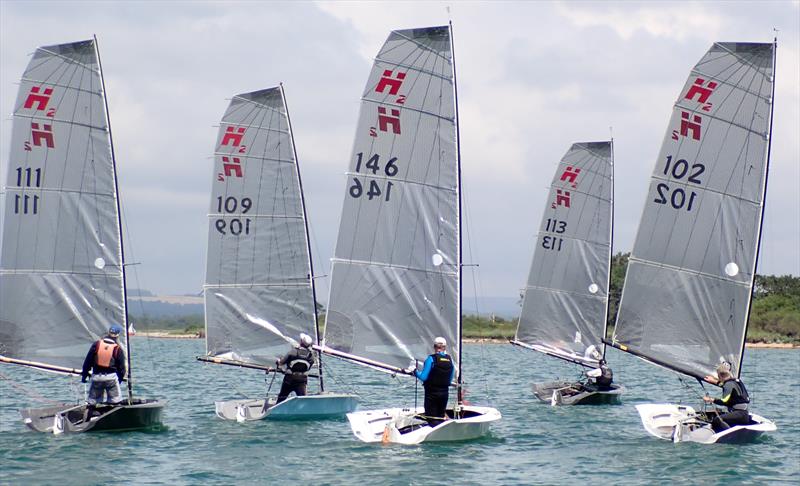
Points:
[297,362]
[734,397]
[106,360]
[436,376]
[601,377]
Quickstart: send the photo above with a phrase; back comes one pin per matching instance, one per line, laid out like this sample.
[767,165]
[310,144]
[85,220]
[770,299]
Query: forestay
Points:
[61,278]
[258,292]
[690,276]
[566,298]
[395,275]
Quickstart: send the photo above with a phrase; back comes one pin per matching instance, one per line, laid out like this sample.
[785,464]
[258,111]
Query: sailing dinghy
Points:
[62,271]
[396,275]
[259,292]
[686,300]
[565,304]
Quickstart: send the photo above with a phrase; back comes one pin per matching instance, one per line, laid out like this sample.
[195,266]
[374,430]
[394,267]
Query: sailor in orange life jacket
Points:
[106,360]
[436,376]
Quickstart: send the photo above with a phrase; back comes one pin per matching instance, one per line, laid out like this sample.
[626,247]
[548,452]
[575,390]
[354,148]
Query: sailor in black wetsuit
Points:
[436,376]
[601,377]
[298,363]
[734,397]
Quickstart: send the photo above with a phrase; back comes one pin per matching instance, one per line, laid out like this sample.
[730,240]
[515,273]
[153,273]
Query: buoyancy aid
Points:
[735,395]
[606,376]
[105,352]
[439,377]
[301,362]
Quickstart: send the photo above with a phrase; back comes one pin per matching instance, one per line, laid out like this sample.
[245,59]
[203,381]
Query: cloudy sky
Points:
[534,77]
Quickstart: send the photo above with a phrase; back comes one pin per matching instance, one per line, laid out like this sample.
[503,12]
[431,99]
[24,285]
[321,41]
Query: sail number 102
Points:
[679,197]
[375,187]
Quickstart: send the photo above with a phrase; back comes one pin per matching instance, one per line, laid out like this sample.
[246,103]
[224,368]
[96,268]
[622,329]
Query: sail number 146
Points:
[375,189]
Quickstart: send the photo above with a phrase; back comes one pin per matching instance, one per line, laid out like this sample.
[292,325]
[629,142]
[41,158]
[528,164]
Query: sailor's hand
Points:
[711,379]
[410,370]
[708,399]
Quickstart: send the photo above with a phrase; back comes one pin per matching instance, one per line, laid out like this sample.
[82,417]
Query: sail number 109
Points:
[233,226]
[679,197]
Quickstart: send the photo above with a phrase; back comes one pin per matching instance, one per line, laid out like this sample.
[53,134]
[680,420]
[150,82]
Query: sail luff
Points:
[124,322]
[610,251]
[308,240]
[760,228]
[459,218]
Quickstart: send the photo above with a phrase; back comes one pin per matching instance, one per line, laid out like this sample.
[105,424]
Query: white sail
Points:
[395,275]
[259,289]
[687,290]
[61,274]
[566,298]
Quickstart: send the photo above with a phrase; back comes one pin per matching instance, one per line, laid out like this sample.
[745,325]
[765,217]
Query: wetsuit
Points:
[737,400]
[436,376]
[106,361]
[298,363]
[602,377]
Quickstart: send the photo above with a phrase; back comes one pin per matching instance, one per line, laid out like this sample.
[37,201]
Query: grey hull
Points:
[140,415]
[574,393]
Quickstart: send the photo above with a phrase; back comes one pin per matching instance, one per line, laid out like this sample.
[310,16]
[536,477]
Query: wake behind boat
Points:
[259,292]
[62,269]
[686,301]
[565,303]
[396,275]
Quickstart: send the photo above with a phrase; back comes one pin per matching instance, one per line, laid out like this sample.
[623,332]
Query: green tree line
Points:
[774,314]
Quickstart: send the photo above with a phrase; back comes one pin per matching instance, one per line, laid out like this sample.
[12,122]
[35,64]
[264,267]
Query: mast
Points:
[610,252]
[119,229]
[763,204]
[460,243]
[308,240]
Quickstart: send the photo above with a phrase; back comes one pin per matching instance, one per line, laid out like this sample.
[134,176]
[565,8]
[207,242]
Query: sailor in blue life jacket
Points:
[106,361]
[734,397]
[436,376]
[297,362]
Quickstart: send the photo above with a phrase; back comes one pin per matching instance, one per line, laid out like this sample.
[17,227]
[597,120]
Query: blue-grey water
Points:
[533,444]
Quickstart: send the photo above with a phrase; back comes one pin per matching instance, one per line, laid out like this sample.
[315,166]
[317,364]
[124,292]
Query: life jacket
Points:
[606,376]
[302,362]
[740,399]
[104,353]
[439,377]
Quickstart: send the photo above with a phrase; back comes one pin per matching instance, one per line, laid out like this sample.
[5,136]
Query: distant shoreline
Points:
[171,335]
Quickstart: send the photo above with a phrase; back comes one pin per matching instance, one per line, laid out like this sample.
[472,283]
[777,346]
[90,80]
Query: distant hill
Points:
[158,306]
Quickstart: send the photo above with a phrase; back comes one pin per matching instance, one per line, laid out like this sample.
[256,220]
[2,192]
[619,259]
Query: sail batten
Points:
[392,291]
[690,276]
[565,299]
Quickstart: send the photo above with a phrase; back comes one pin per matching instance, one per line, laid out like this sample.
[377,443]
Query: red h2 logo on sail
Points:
[702,90]
[570,175]
[231,166]
[562,199]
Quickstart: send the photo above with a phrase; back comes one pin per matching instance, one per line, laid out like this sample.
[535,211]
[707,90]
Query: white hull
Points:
[680,423]
[404,426]
[324,405]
